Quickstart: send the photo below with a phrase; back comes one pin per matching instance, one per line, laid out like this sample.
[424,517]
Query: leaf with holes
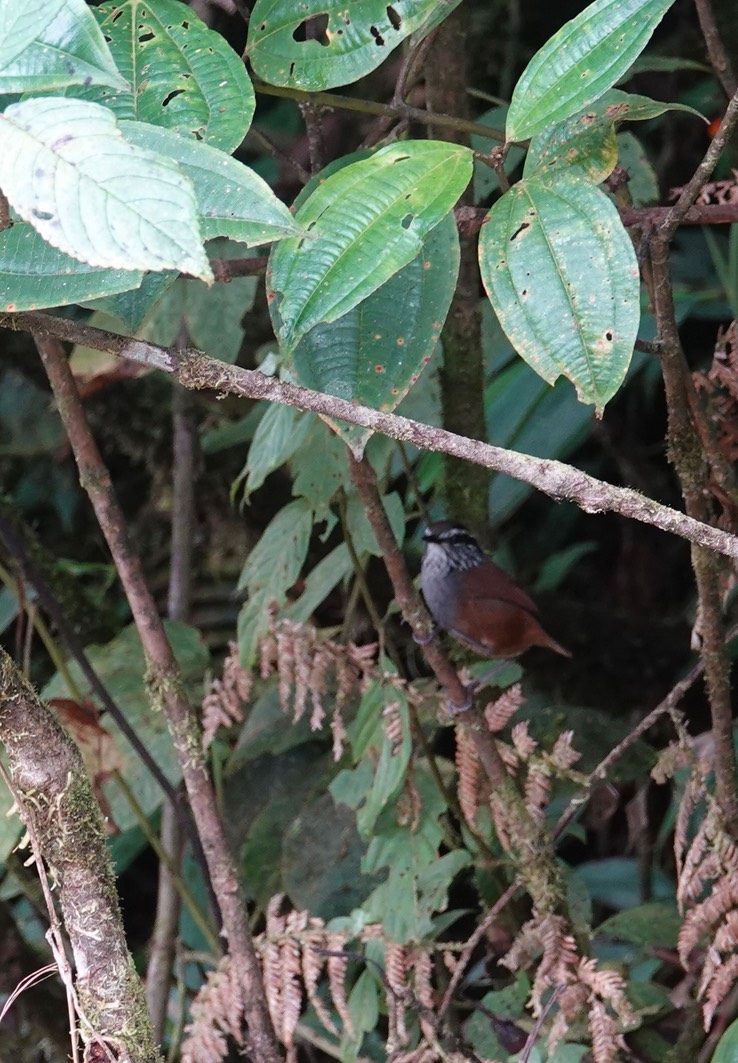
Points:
[51,45]
[68,171]
[365,222]
[232,200]
[318,44]
[374,354]
[587,140]
[561,274]
[183,75]
[34,275]
[580,62]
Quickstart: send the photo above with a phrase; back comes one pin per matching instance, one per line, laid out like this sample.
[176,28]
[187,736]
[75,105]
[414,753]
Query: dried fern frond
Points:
[707,891]
[310,667]
[537,790]
[217,1013]
[498,713]
[524,744]
[563,755]
[468,770]
[223,704]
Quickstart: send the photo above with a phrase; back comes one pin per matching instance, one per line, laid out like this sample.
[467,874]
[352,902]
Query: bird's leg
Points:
[456,710]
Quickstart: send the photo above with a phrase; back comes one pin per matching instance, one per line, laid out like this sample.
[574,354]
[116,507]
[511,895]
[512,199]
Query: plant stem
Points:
[687,456]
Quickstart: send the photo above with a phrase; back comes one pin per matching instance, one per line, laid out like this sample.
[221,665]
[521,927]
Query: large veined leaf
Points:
[374,354]
[232,200]
[22,23]
[51,45]
[587,140]
[561,273]
[365,222]
[318,44]
[580,62]
[35,275]
[182,75]
[67,170]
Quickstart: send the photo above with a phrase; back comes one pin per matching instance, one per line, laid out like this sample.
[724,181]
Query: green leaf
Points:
[524,413]
[20,24]
[727,1046]
[363,1003]
[51,45]
[30,426]
[320,467]
[232,200]
[587,140]
[121,666]
[182,75]
[33,274]
[321,580]
[580,62]
[132,307]
[561,274]
[361,531]
[615,881]
[643,184]
[394,757]
[366,222]
[280,433]
[654,924]
[375,353]
[418,878]
[68,171]
[270,570]
[322,855]
[212,315]
[318,44]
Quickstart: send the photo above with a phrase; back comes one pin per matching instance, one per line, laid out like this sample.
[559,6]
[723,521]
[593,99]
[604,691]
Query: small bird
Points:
[474,600]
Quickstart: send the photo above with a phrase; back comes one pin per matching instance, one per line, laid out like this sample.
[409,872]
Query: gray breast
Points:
[439,582]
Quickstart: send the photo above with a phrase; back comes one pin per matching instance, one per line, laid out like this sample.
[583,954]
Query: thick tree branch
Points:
[57,803]
[196,370]
[165,681]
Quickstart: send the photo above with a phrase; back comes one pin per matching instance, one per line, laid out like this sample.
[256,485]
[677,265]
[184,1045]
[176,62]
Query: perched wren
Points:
[474,600]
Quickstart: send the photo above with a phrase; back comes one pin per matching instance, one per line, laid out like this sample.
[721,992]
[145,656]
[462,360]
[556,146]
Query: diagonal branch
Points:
[197,371]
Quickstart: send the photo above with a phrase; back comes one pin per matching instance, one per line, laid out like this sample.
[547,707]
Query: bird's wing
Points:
[491,584]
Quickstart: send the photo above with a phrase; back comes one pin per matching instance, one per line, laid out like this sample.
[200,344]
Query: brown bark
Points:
[465,486]
[57,804]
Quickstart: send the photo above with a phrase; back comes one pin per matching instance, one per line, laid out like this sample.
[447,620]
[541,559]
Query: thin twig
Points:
[692,189]
[715,49]
[466,954]
[398,110]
